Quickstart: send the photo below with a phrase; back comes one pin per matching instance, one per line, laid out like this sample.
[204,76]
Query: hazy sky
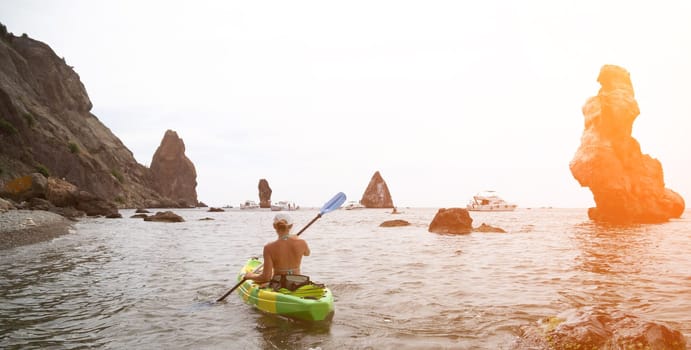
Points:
[444,98]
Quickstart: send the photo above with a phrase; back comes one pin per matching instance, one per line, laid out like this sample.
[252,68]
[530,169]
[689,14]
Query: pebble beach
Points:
[21,227]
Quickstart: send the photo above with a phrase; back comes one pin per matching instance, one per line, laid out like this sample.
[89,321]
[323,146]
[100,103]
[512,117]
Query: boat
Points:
[307,303]
[353,205]
[249,204]
[489,201]
[284,205]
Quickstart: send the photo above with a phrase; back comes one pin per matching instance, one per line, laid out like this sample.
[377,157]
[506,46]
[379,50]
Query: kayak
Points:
[307,303]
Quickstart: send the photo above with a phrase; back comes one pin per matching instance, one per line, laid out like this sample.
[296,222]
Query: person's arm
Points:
[267,271]
[307,249]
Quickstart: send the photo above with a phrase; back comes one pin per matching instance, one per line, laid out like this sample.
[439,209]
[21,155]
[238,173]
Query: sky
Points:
[444,98]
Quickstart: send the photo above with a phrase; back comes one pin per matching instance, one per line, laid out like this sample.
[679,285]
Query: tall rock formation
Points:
[264,194]
[627,186]
[377,193]
[173,173]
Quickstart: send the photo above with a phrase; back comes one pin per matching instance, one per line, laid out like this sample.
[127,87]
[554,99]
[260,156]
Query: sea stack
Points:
[627,186]
[173,173]
[377,193]
[264,194]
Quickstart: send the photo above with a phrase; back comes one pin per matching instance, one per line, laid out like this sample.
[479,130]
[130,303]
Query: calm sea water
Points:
[132,284]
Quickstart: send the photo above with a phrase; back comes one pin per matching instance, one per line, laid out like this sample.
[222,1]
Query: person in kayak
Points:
[284,255]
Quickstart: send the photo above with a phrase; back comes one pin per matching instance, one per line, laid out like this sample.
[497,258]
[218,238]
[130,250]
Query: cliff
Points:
[46,126]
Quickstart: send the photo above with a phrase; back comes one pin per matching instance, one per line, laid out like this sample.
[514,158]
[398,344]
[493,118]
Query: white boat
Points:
[489,201]
[249,204]
[284,205]
[353,205]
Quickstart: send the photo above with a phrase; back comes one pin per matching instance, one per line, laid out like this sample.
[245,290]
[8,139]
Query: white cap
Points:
[283,217]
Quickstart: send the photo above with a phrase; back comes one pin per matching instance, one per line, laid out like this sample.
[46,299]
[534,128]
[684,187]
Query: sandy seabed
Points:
[21,227]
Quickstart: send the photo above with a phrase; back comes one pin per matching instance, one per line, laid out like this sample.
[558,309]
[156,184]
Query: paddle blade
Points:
[334,203]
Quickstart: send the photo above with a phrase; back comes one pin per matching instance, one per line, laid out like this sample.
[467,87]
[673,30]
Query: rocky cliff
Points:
[627,186]
[46,126]
[173,173]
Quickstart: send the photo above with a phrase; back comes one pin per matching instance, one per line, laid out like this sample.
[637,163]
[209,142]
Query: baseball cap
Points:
[283,217]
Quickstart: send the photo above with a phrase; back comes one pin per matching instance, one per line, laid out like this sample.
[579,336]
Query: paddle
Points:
[333,204]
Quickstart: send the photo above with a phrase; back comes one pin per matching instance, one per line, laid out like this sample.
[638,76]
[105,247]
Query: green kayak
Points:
[307,303]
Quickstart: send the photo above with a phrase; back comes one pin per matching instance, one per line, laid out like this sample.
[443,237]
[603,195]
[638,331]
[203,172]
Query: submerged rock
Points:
[627,186]
[592,329]
[452,220]
[164,216]
[487,228]
[377,193]
[394,223]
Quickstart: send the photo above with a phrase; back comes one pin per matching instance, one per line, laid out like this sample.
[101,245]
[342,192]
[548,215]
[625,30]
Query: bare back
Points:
[285,255]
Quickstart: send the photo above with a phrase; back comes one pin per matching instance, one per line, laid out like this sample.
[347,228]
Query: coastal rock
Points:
[26,187]
[6,205]
[164,216]
[377,193]
[394,223]
[61,193]
[487,228]
[58,196]
[452,220]
[215,210]
[627,186]
[264,194]
[173,173]
[95,206]
[593,329]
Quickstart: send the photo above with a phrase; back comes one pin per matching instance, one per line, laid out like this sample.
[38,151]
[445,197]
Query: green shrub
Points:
[73,147]
[30,120]
[120,200]
[118,175]
[7,127]
[43,170]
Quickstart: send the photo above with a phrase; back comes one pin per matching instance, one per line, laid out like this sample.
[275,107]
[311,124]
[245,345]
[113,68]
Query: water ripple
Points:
[134,284]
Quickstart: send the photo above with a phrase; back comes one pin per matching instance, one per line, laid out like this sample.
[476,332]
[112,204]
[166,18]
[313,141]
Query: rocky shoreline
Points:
[22,227]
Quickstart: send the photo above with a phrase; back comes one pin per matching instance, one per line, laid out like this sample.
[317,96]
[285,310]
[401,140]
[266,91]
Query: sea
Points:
[130,284]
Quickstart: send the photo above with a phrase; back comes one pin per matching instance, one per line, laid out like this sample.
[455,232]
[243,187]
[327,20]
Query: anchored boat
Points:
[489,201]
[249,204]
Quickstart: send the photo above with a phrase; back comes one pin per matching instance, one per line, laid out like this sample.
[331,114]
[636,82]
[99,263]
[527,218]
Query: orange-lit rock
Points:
[452,220]
[627,185]
[377,193]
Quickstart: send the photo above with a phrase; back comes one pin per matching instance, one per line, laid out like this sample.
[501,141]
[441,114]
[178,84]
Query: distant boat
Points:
[489,201]
[353,205]
[284,205]
[249,204]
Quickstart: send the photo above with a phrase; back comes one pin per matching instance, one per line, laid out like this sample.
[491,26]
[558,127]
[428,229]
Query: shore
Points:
[22,227]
